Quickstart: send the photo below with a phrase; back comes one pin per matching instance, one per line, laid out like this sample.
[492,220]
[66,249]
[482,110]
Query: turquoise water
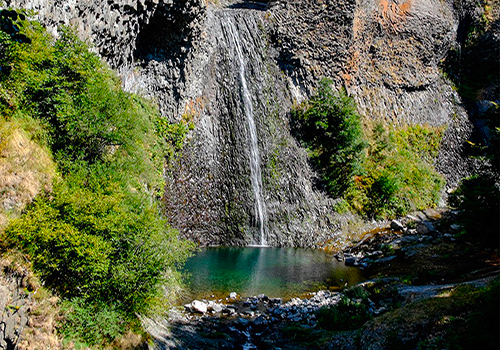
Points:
[275,272]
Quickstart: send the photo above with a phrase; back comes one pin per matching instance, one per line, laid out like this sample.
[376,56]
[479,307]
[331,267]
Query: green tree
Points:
[96,237]
[478,200]
[330,127]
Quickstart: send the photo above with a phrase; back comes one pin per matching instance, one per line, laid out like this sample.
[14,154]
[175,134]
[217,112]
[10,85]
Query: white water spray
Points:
[255,173]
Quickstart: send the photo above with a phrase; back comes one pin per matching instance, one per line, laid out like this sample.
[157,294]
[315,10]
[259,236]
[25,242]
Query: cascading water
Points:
[239,99]
[255,172]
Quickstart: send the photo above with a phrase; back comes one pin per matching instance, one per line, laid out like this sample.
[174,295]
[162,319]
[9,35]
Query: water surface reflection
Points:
[276,272]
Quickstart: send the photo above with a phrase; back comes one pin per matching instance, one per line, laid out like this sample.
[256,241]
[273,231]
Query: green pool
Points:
[275,272]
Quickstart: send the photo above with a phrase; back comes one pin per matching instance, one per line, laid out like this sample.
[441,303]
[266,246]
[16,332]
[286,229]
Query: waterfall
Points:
[255,172]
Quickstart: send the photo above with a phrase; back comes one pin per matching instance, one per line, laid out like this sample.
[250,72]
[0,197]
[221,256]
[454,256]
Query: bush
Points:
[95,324]
[346,315]
[478,200]
[392,177]
[329,126]
[97,238]
[397,175]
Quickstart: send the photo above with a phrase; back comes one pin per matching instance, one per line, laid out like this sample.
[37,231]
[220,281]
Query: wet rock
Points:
[242,322]
[215,307]
[260,322]
[351,261]
[386,259]
[248,313]
[263,297]
[397,225]
[374,254]
[413,250]
[432,214]
[233,295]
[275,301]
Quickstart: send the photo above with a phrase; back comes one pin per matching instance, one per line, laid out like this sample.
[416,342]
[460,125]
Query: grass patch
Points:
[26,169]
[463,319]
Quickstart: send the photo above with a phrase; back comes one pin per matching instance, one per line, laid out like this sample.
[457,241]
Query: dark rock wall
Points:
[388,54]
[221,206]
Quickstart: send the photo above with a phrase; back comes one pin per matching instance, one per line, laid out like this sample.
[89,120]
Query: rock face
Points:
[387,54]
[14,306]
[218,159]
[120,29]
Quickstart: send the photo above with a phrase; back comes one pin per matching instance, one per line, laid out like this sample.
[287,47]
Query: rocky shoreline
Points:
[387,255]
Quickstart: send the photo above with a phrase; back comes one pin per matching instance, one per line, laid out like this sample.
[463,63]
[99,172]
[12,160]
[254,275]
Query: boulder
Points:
[397,226]
[351,261]
[199,306]
[425,228]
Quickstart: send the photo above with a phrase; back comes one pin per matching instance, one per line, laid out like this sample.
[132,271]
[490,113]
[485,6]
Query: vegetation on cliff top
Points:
[380,171]
[96,235]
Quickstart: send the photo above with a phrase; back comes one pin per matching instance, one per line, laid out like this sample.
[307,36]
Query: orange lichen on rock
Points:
[394,14]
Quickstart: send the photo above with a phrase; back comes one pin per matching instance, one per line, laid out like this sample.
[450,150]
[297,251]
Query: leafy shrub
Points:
[390,177]
[397,175]
[97,324]
[329,126]
[348,314]
[174,134]
[478,201]
[97,238]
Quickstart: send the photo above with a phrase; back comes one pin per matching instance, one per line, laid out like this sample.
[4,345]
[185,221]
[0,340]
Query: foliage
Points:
[99,323]
[397,173]
[97,238]
[347,314]
[392,177]
[478,200]
[174,134]
[329,126]
[10,22]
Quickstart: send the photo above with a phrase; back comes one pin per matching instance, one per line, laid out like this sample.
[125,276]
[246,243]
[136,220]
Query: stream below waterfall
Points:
[275,272]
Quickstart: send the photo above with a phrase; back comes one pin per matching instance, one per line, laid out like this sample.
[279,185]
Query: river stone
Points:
[425,228]
[215,307]
[351,261]
[275,301]
[233,295]
[263,297]
[397,226]
[242,322]
[199,306]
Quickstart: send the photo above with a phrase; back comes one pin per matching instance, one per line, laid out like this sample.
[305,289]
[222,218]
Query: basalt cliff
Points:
[235,69]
